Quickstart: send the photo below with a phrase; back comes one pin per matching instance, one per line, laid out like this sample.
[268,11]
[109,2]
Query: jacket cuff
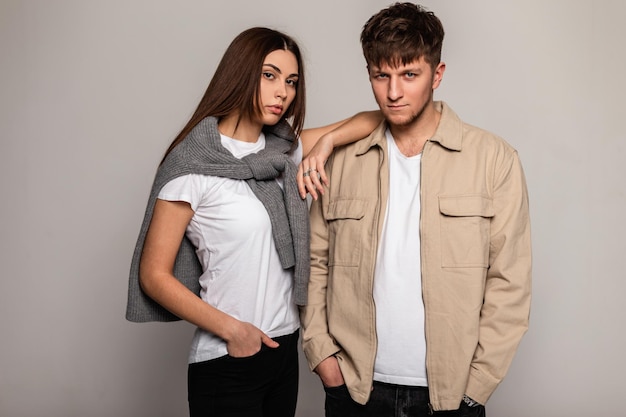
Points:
[319,348]
[480,386]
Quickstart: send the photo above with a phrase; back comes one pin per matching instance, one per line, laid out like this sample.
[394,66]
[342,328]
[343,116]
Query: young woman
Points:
[225,221]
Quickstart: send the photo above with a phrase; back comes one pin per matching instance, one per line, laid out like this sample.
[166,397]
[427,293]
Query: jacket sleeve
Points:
[317,343]
[505,312]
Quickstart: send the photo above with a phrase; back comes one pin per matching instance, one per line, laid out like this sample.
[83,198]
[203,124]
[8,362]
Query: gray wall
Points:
[92,92]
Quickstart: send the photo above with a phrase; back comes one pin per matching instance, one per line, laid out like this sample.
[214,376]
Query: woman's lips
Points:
[275,109]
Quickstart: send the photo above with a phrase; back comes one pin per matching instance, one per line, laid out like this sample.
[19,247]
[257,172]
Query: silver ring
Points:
[306,173]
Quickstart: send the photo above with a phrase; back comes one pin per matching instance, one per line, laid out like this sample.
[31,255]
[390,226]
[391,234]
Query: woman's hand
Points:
[321,141]
[246,340]
[311,176]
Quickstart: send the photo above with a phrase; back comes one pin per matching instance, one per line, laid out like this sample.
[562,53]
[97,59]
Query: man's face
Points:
[403,92]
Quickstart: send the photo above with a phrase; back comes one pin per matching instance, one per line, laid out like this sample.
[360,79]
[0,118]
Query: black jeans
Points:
[389,400]
[262,385]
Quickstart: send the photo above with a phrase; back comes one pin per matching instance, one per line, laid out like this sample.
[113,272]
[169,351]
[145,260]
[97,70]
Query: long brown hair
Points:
[235,84]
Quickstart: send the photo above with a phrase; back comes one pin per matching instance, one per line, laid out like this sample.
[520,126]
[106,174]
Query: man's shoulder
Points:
[471,135]
[375,139]
[353,158]
[457,134]
[483,138]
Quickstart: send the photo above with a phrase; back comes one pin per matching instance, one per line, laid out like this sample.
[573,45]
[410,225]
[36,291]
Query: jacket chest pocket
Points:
[345,231]
[465,230]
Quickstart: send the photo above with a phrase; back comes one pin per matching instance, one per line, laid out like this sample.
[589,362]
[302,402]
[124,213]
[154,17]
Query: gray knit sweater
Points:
[201,152]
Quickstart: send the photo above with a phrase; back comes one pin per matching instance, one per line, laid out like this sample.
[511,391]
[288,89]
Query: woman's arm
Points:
[167,228]
[318,144]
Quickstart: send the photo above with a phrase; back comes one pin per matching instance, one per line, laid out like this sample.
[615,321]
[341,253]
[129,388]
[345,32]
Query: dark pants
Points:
[263,385]
[389,400]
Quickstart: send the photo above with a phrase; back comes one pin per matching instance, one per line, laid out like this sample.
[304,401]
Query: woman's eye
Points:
[292,83]
[268,75]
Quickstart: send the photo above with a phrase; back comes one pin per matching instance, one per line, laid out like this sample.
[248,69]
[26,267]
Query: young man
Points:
[420,246]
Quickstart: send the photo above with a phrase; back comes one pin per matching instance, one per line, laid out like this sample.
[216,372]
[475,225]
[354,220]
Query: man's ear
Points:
[438,74]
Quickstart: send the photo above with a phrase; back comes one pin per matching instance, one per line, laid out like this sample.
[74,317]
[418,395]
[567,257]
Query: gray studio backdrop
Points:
[92,92]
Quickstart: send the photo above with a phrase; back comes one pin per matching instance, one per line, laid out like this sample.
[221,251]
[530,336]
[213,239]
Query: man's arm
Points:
[505,312]
[318,345]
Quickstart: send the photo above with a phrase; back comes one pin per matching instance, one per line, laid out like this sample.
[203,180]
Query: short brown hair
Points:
[401,34]
[235,84]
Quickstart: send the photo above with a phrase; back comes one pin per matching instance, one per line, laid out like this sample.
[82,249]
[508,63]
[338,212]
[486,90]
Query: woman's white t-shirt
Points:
[232,232]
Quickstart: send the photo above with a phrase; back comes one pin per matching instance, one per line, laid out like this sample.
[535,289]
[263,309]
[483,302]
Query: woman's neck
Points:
[239,128]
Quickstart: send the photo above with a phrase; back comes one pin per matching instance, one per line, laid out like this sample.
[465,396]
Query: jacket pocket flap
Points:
[466,205]
[345,209]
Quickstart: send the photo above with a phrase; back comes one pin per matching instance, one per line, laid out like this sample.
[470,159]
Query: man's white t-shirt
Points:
[232,232]
[401,354]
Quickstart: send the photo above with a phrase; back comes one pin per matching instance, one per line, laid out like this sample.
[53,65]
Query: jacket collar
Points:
[449,133]
[376,138]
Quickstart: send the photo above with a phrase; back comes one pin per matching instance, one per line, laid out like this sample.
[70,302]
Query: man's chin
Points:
[398,120]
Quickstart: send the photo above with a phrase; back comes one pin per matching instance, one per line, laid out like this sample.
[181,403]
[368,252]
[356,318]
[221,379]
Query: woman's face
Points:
[278,85]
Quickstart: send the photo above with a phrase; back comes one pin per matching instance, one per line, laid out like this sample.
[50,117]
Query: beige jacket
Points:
[475,251]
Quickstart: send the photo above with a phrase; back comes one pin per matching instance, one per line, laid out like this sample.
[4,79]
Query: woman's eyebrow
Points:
[274,67]
[278,69]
